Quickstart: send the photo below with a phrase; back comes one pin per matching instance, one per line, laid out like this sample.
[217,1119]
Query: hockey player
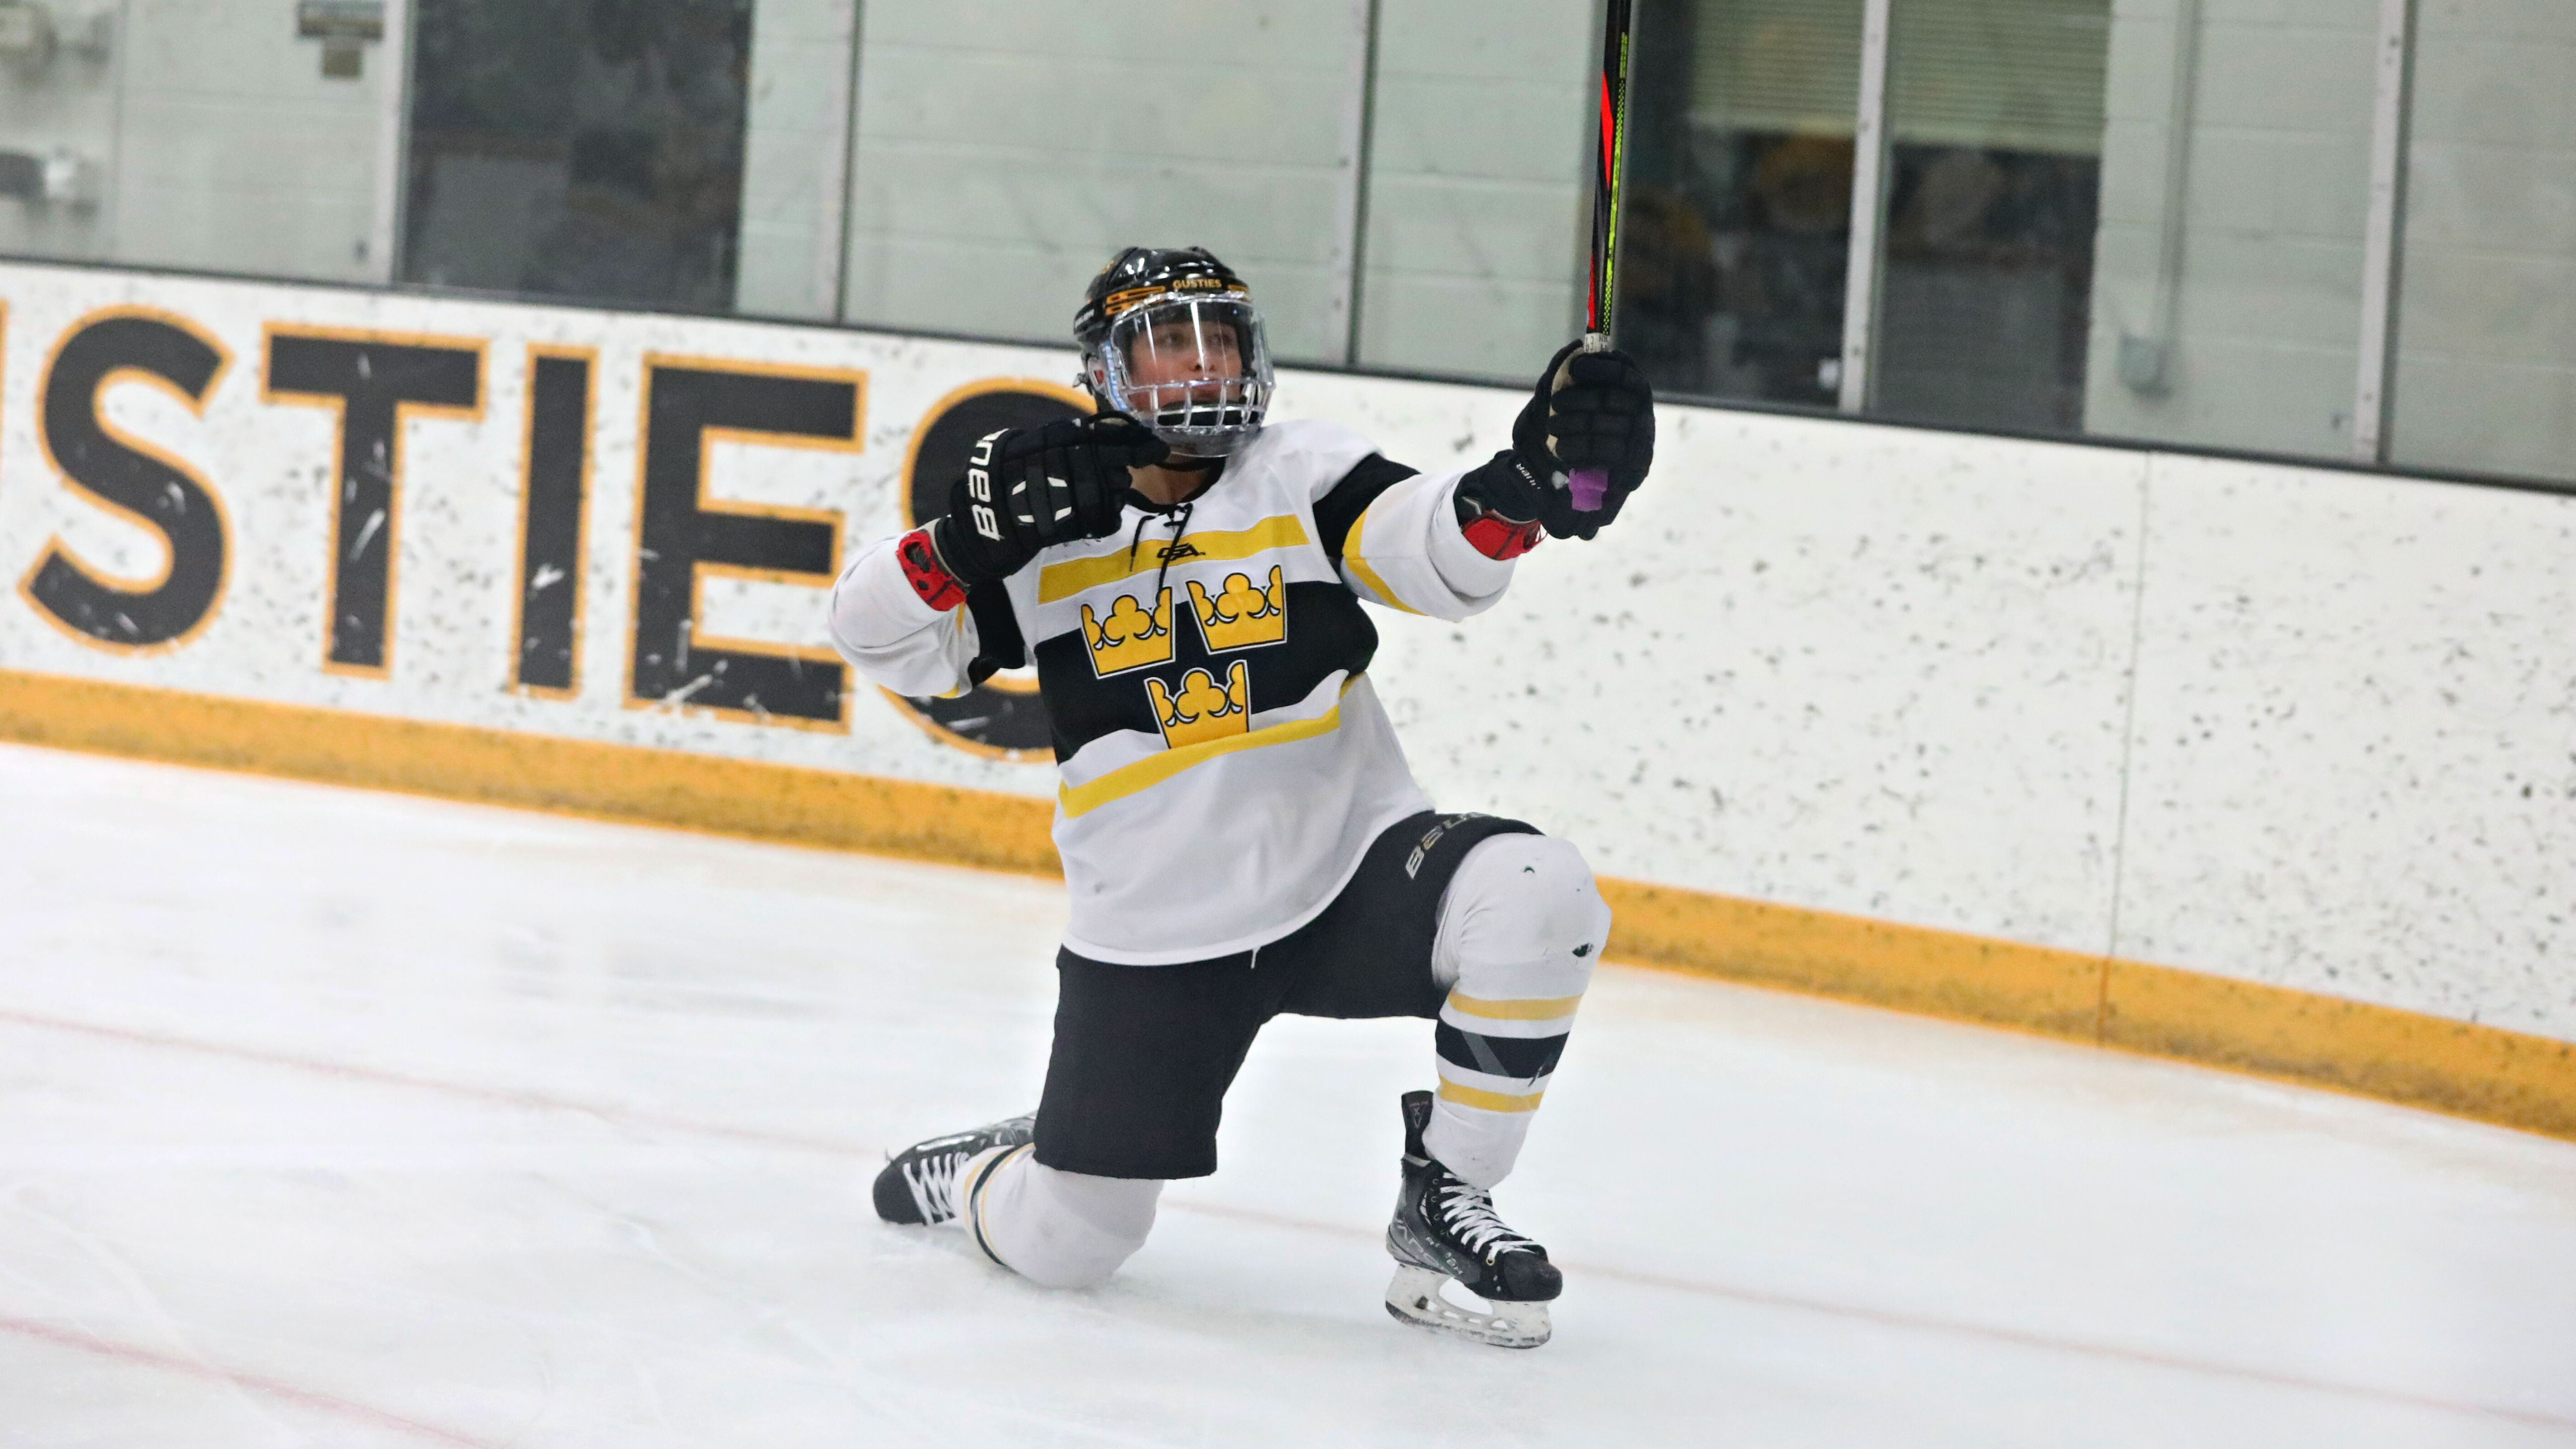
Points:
[1239,831]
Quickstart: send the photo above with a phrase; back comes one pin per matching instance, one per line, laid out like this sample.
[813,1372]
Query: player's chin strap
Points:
[1137,537]
[1179,519]
[1180,530]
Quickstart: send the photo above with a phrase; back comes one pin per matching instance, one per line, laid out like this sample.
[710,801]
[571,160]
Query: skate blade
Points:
[1414,1297]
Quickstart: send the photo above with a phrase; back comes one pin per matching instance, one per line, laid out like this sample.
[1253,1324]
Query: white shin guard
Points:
[1056,1229]
[1520,927]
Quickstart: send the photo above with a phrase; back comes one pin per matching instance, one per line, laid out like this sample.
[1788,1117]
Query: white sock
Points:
[1056,1229]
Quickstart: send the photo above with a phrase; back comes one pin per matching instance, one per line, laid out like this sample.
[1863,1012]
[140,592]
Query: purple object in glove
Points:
[1589,486]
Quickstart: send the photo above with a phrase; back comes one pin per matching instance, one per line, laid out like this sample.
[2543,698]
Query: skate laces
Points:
[933,1181]
[1467,1211]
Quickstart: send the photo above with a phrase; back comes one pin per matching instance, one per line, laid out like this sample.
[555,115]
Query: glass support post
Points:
[832,233]
[2145,358]
[2382,263]
[393,137]
[1868,210]
[1350,211]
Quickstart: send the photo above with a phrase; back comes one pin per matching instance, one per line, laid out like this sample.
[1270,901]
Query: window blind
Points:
[2008,75]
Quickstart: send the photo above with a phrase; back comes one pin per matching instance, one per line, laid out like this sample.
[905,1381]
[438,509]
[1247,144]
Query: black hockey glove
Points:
[1589,410]
[1030,489]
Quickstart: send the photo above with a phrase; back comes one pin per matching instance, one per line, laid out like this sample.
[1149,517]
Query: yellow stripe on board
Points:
[2509,1078]
[498,767]
[2468,1070]
[1938,973]
[1490,1101]
[1360,565]
[1145,774]
[1064,580]
[1533,1008]
[2458,1067]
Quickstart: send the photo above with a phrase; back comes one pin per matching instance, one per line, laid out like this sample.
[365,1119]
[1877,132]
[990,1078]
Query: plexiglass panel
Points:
[1480,180]
[579,149]
[2486,336]
[2140,219]
[223,135]
[1739,213]
[1995,141]
[1007,150]
[2235,189]
[795,161]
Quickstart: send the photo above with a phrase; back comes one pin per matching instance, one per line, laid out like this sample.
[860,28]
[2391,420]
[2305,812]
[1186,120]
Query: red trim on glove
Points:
[1497,537]
[927,575]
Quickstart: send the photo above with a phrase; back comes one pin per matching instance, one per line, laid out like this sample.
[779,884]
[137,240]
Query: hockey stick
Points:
[1590,485]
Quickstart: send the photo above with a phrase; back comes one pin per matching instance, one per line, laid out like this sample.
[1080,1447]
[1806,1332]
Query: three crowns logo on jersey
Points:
[1129,638]
[1205,705]
[1241,616]
[1203,710]
[1238,616]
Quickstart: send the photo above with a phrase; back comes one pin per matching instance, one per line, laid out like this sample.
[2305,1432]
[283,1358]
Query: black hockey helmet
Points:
[1170,337]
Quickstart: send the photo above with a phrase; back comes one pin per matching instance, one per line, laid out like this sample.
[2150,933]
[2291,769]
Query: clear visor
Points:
[1196,371]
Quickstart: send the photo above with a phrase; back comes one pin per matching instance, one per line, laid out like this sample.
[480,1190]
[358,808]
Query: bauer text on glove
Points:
[1030,489]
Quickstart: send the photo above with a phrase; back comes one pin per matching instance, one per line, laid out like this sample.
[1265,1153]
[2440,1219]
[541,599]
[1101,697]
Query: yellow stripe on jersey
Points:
[1490,1101]
[1073,576]
[1535,1008]
[1360,566]
[1153,770]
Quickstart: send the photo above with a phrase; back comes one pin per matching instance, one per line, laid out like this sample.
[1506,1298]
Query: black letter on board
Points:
[550,554]
[372,383]
[681,531]
[134,480]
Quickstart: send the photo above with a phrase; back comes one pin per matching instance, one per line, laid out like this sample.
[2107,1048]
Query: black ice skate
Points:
[919,1184]
[1445,1230]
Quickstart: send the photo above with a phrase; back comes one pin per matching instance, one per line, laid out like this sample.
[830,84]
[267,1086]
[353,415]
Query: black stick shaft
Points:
[1611,97]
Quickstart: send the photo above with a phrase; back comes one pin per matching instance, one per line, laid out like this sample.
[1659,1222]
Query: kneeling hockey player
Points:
[1240,834]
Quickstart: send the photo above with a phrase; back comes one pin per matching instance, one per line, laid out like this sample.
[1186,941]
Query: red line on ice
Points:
[1924,1323]
[508,1097]
[1889,1318]
[248,1383]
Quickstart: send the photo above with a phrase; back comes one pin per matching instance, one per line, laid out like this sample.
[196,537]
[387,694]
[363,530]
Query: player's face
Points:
[1183,348]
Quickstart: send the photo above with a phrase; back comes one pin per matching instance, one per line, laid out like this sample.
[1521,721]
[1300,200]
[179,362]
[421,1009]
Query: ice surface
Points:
[329,1118]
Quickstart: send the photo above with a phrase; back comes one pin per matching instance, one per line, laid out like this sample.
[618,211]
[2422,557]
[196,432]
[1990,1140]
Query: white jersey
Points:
[1223,761]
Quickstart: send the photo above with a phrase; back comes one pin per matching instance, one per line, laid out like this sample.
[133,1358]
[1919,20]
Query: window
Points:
[579,148]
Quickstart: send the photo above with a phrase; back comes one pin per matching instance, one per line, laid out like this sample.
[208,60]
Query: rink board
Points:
[1952,723]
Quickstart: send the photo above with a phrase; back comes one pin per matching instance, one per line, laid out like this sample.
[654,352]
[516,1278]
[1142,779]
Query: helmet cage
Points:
[1194,367]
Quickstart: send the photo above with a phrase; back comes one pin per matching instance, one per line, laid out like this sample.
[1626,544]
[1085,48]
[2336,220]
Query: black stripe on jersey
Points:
[998,643]
[1327,630]
[1337,510]
[1524,1058]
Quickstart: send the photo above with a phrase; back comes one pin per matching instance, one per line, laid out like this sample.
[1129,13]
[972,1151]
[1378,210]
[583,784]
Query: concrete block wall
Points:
[236,153]
[68,104]
[2266,327]
[795,158]
[221,145]
[2486,369]
[1479,187]
[1007,148]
